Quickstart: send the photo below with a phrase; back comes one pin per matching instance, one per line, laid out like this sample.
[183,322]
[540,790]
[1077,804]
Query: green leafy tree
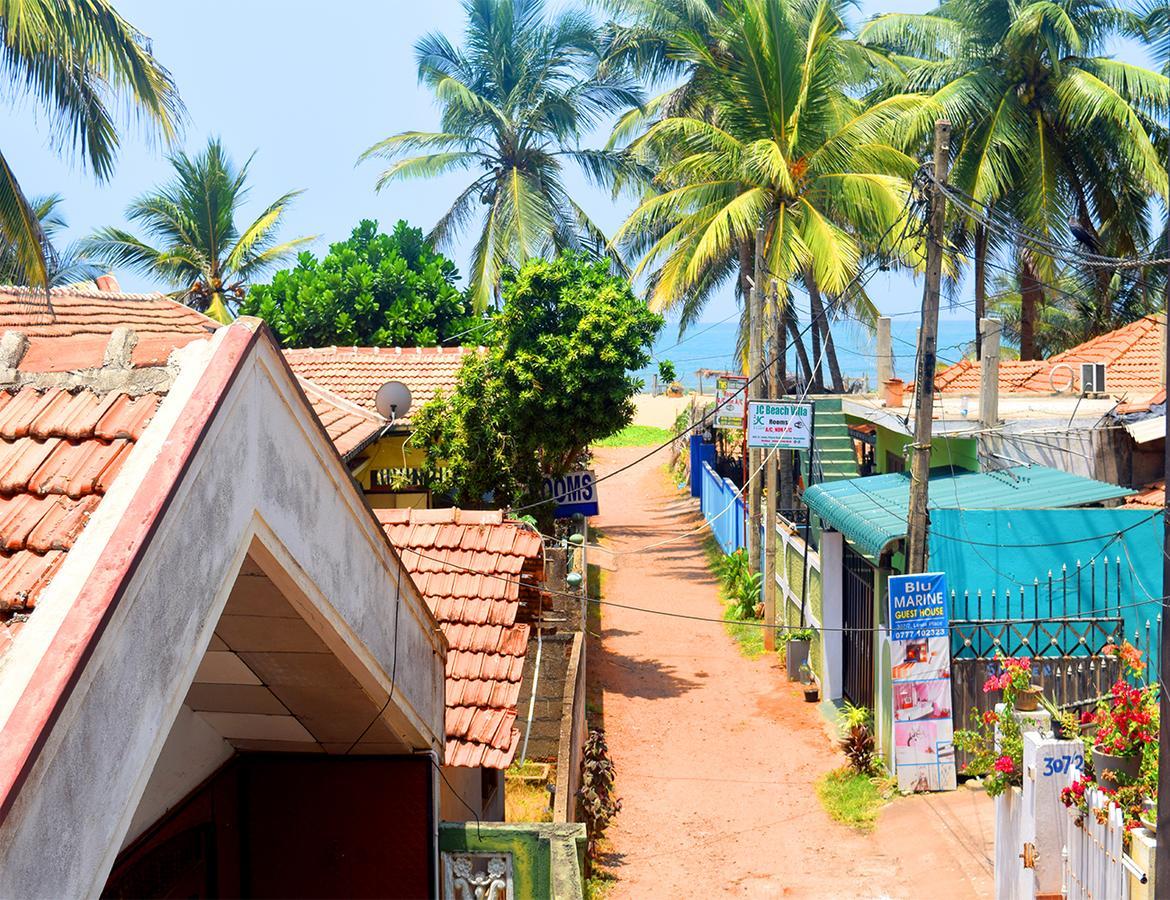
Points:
[1048,125]
[74,59]
[515,100]
[372,290]
[780,144]
[197,246]
[554,380]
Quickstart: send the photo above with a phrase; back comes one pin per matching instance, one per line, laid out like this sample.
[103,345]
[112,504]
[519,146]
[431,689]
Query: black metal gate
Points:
[857,639]
[1063,624]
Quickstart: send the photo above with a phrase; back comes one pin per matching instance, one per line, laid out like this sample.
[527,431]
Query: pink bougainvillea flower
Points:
[1005,764]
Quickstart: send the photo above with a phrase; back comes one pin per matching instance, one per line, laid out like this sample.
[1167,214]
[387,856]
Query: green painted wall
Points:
[791,566]
[534,874]
[962,453]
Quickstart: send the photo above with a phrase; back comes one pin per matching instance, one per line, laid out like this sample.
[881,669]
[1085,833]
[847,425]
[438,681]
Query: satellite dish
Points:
[393,400]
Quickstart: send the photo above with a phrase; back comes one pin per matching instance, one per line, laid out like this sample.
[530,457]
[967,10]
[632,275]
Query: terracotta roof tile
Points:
[348,425]
[1132,356]
[59,453]
[356,373]
[475,595]
[1153,495]
[72,329]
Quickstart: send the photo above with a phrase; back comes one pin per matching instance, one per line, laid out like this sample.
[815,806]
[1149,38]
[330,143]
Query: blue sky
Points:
[307,88]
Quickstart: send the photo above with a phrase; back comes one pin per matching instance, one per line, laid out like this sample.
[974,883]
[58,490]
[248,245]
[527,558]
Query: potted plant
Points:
[1123,740]
[996,742]
[796,651]
[1016,680]
[1126,725]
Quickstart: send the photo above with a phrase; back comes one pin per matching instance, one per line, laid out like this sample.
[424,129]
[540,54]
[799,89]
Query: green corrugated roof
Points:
[871,512]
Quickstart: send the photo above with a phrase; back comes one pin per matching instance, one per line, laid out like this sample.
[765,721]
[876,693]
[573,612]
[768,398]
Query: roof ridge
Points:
[94,293]
[308,385]
[358,349]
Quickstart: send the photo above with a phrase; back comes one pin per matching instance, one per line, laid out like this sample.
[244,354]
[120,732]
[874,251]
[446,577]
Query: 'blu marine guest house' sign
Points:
[920,676]
[918,607]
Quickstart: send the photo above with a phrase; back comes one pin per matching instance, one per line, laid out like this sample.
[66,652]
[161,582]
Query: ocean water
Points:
[712,346]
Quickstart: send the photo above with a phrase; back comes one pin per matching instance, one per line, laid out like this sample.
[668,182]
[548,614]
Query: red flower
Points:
[991,684]
[990,718]
[1005,764]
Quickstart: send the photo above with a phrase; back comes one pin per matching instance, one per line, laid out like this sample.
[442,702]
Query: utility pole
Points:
[754,392]
[927,350]
[775,390]
[1162,853]
[989,330]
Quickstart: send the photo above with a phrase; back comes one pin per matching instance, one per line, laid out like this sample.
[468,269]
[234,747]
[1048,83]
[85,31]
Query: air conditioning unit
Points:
[1092,378]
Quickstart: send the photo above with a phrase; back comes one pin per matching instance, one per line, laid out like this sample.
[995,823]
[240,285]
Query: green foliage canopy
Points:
[373,290]
[553,381]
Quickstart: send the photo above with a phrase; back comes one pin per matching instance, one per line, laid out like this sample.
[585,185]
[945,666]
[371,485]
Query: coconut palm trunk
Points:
[801,352]
[827,338]
[817,312]
[1031,298]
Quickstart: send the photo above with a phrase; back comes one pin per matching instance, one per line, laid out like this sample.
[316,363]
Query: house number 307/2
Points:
[1058,765]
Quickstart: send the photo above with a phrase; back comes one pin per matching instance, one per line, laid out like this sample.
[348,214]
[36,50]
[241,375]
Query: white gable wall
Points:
[264,476]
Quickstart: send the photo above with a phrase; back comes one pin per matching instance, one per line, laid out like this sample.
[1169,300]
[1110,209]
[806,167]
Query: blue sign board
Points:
[574,494]
[918,607]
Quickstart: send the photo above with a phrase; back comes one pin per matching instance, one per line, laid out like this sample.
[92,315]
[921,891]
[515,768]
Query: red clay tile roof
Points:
[88,317]
[356,373]
[59,453]
[349,427]
[1132,356]
[1152,495]
[467,566]
[1141,406]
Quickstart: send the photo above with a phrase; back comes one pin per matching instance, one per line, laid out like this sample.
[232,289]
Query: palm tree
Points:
[779,144]
[197,247]
[1047,128]
[1078,310]
[63,265]
[75,59]
[515,100]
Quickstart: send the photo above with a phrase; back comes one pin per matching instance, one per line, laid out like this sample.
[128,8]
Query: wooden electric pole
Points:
[1162,853]
[927,350]
[755,392]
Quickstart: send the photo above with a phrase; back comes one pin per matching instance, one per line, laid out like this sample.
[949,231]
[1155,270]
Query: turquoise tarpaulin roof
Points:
[871,512]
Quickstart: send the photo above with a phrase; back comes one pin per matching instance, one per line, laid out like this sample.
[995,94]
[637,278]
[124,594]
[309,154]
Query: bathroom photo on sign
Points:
[924,755]
[916,700]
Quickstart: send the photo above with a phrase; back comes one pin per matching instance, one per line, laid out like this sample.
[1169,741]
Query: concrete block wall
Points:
[544,737]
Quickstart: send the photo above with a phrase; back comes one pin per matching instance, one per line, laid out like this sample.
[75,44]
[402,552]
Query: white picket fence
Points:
[1040,850]
[1095,851]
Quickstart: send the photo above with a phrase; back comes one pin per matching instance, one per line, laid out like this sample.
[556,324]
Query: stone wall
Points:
[545,734]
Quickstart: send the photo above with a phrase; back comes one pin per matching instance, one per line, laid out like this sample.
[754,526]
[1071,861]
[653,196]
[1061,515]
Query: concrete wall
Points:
[962,453]
[544,737]
[192,753]
[263,475]
[548,861]
[573,733]
[461,795]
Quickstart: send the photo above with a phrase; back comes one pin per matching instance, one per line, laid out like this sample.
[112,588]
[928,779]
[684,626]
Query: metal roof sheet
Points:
[871,512]
[1145,430]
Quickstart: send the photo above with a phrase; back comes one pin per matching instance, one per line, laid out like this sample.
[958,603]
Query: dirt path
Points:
[717,755]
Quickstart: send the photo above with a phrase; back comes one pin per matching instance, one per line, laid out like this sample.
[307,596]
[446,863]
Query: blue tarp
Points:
[1103,562]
